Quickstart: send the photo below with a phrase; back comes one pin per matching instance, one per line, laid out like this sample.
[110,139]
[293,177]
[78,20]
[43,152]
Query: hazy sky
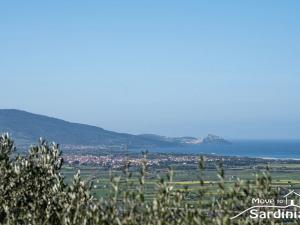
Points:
[167,67]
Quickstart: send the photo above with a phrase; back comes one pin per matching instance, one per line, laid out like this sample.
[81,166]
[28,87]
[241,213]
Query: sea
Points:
[271,149]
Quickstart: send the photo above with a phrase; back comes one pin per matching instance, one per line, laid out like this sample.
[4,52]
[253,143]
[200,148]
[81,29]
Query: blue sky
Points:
[167,67]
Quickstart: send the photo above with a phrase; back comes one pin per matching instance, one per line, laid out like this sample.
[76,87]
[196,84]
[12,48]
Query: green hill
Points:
[27,128]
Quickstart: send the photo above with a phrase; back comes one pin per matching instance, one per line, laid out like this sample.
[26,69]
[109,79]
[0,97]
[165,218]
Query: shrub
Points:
[33,191]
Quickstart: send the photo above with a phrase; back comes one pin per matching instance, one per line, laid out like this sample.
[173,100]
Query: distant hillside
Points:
[214,139]
[27,128]
[178,140]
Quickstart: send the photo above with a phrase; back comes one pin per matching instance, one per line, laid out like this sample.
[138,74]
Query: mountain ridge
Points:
[26,128]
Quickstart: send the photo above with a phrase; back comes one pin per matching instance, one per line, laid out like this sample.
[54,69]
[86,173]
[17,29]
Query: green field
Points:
[283,175]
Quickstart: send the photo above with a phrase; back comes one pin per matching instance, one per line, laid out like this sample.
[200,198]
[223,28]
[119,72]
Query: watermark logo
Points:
[286,207]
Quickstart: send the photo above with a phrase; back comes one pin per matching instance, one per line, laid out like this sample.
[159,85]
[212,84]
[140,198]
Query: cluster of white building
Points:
[119,161]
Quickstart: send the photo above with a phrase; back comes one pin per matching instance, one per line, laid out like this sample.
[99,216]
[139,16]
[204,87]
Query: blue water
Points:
[264,149]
